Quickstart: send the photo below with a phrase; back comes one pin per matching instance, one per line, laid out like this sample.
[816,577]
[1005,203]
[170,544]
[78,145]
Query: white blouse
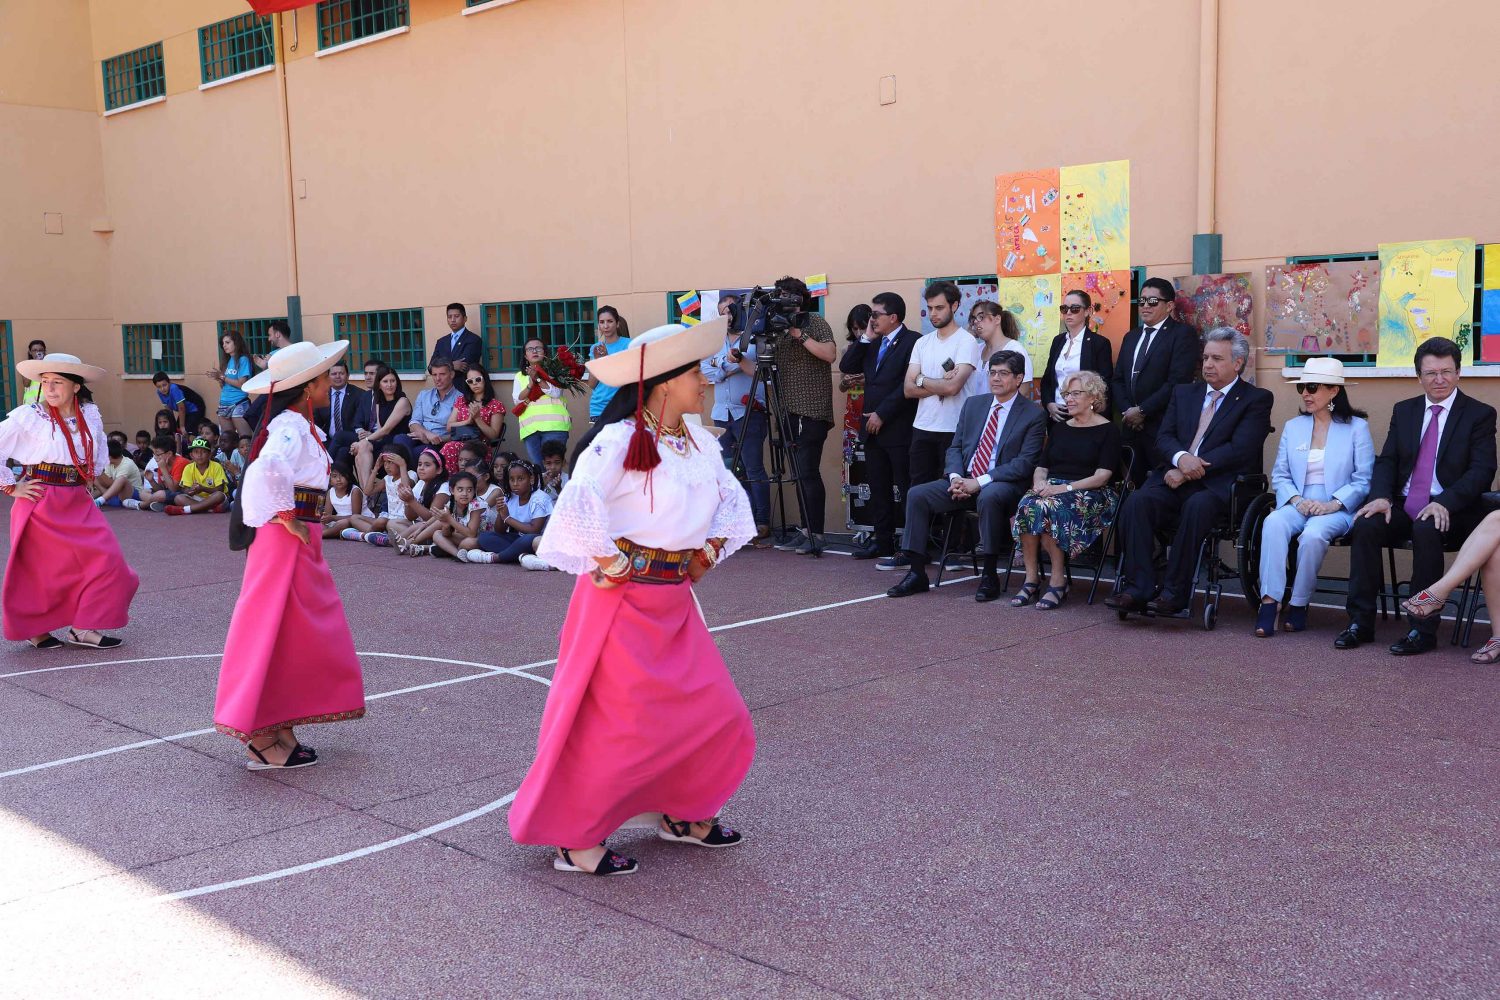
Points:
[290,457]
[1314,475]
[691,498]
[29,437]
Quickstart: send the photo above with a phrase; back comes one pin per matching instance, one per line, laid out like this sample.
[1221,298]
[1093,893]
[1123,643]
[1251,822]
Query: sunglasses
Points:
[1152,301]
[476,380]
[1074,309]
[1306,387]
[877,315]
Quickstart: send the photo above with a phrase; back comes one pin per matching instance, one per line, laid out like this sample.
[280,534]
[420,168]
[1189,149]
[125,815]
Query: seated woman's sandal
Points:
[682,833]
[610,864]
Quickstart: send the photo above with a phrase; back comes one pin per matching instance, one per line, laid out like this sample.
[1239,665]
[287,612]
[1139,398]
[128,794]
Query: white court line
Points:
[111,663]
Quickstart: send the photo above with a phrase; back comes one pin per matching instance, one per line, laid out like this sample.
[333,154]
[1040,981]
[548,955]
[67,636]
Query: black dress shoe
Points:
[1165,607]
[989,588]
[1353,636]
[914,582]
[870,551]
[1125,601]
[1413,643]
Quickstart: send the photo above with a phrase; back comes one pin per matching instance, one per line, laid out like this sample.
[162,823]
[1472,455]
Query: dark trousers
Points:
[339,445]
[888,474]
[995,505]
[1143,445]
[1368,538]
[510,546]
[929,453]
[808,437]
[1190,512]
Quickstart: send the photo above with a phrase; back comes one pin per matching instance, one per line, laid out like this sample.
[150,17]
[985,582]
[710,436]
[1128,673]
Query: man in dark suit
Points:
[1438,458]
[342,416]
[882,356]
[989,467]
[1155,358]
[1213,431]
[462,347]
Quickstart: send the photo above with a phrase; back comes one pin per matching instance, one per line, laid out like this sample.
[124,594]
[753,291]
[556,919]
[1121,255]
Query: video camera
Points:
[763,315]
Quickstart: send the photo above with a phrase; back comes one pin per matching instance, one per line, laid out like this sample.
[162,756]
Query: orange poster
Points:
[1027,239]
[1110,292]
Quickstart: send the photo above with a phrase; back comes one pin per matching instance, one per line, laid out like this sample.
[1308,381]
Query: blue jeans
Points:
[536,439]
[510,546]
[752,427]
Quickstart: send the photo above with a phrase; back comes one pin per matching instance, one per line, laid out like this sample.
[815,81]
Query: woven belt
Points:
[54,475]
[649,565]
[308,503]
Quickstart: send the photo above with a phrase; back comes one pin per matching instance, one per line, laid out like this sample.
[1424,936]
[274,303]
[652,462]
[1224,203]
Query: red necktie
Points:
[985,453]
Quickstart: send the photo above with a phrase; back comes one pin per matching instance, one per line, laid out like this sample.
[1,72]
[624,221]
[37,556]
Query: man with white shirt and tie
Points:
[990,465]
[1213,432]
[341,417]
[1154,359]
[462,347]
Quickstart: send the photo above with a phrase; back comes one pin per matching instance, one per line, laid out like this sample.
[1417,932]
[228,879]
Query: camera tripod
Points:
[780,441]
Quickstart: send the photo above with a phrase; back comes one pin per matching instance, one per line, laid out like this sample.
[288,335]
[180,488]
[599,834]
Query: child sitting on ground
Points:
[160,477]
[518,528]
[422,500]
[554,458]
[500,469]
[119,479]
[204,483]
[456,529]
[345,501]
[142,453]
[390,473]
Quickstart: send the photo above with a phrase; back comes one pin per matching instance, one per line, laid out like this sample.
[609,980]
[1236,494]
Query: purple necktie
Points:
[1420,494]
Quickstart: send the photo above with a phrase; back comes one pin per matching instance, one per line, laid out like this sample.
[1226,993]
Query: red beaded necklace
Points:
[85,466]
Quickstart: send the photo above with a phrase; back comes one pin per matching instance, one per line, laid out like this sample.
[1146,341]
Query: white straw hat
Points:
[60,364]
[660,350]
[1321,371]
[295,364]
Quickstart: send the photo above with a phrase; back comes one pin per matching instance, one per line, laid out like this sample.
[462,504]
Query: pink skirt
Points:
[65,567]
[289,659]
[642,717]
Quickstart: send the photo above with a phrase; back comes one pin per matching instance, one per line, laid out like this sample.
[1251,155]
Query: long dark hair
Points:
[485,395]
[156,423]
[857,320]
[427,490]
[377,394]
[622,328]
[240,350]
[1343,410]
[85,394]
[280,401]
[622,406]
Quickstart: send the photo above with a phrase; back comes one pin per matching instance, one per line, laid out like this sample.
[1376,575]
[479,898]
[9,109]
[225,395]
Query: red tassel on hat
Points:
[642,455]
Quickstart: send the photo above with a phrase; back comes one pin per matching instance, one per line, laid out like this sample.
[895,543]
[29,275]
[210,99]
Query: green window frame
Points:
[674,311]
[397,336]
[236,45]
[137,338]
[9,397]
[255,331]
[344,21]
[133,77]
[506,326]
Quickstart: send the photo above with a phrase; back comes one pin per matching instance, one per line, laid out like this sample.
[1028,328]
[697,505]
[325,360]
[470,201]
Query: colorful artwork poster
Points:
[1034,303]
[1206,301]
[1096,217]
[1323,308]
[1110,292]
[1489,343]
[1027,225]
[969,294]
[1426,290]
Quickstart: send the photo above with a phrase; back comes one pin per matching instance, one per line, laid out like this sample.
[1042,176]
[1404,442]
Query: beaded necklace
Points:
[85,465]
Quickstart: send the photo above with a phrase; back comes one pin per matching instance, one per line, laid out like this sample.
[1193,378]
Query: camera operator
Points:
[804,357]
[732,374]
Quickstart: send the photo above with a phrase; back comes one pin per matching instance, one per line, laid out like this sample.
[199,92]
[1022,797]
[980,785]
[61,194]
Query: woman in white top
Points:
[642,716]
[64,567]
[1322,474]
[996,330]
[289,659]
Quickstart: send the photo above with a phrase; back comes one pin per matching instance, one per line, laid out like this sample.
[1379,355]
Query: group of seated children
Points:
[492,510]
[165,481]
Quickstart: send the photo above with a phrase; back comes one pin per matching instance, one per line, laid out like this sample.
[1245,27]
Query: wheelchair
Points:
[1249,504]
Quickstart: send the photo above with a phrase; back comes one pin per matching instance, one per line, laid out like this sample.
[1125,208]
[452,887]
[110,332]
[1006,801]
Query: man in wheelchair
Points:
[1213,432]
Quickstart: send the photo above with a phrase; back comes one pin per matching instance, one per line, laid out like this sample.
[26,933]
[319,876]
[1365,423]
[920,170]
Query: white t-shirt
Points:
[394,505]
[979,385]
[539,504]
[940,413]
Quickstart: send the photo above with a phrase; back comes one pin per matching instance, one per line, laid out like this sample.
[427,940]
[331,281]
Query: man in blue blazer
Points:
[462,347]
[882,356]
[1213,432]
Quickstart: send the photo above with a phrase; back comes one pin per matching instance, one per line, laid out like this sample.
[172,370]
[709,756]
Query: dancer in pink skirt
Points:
[65,566]
[289,659]
[642,717]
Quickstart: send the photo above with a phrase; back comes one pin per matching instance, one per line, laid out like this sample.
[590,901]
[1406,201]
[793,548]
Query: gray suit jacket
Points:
[1016,453]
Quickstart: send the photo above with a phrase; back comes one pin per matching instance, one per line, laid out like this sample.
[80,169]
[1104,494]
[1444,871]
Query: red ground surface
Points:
[949,800]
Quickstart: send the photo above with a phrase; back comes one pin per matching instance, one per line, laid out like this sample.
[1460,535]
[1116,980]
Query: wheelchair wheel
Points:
[1247,547]
[1210,617]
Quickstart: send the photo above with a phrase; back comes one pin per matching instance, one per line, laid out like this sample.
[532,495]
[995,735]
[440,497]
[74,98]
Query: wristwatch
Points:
[1070,487]
[920,380]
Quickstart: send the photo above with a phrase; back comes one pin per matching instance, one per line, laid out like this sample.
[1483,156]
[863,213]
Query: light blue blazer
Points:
[1348,461]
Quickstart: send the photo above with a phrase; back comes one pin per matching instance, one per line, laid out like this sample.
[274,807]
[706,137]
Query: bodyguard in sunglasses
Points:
[1160,354]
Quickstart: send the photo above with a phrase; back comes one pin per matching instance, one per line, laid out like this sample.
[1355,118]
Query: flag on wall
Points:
[817,285]
[689,303]
[276,6]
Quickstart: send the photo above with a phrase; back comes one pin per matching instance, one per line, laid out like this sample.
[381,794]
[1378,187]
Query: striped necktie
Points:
[984,455]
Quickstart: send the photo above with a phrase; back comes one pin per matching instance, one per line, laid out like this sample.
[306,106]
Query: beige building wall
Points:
[624,148]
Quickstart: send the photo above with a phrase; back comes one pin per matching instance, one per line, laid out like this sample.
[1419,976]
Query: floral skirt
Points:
[1074,520]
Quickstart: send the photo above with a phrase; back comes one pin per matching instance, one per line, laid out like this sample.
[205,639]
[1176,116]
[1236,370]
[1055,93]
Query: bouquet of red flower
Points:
[563,371]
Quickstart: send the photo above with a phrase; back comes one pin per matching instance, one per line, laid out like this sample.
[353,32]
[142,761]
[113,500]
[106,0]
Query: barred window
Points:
[237,45]
[558,322]
[151,347]
[343,21]
[396,336]
[133,77]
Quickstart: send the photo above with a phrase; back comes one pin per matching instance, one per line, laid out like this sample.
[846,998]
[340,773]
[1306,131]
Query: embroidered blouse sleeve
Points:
[95,421]
[270,478]
[13,430]
[578,529]
[732,520]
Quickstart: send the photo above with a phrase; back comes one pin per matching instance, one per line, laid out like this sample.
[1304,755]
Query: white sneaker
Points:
[534,562]
[463,555]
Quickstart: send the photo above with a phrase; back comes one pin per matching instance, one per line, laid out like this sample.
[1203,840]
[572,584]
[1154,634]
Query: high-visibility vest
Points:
[546,414]
[33,392]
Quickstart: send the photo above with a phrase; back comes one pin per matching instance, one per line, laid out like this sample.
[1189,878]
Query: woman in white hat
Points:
[1321,476]
[65,566]
[642,716]
[289,659]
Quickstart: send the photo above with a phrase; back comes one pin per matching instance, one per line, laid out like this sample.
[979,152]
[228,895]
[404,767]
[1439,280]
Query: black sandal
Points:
[1026,595]
[1047,603]
[51,642]
[610,864]
[300,756]
[105,641]
[717,836]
